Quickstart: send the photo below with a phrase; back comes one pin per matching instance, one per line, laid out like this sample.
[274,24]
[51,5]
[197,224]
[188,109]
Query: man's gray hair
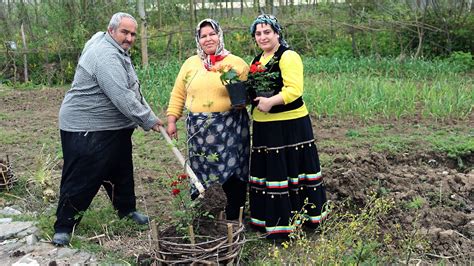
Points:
[117,18]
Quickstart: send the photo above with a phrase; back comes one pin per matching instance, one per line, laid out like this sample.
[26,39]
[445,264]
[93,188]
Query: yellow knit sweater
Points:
[200,90]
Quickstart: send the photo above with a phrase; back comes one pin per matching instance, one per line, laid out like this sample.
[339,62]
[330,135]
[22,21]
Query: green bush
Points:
[462,60]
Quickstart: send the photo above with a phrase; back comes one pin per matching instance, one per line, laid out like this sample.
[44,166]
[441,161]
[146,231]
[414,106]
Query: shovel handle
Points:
[182,161]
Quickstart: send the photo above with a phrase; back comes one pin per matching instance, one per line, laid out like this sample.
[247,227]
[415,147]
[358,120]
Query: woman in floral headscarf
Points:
[285,175]
[219,137]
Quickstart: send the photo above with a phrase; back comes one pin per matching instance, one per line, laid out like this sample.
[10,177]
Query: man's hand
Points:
[157,126]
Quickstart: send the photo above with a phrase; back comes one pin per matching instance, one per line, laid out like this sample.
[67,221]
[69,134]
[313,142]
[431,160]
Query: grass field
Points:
[363,89]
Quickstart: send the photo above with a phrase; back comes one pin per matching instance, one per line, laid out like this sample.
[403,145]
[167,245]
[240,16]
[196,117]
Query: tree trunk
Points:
[355,52]
[4,15]
[192,16]
[158,3]
[192,13]
[421,30]
[25,58]
[143,32]
[227,8]
[25,18]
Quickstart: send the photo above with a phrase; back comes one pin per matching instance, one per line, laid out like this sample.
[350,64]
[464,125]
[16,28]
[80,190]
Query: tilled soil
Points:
[444,193]
[444,215]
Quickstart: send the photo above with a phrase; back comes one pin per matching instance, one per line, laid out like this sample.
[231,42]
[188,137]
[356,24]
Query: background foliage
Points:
[56,31]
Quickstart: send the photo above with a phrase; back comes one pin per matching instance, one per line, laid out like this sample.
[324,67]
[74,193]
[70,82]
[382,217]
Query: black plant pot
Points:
[237,93]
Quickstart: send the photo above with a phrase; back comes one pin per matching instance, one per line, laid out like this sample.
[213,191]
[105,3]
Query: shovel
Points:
[194,180]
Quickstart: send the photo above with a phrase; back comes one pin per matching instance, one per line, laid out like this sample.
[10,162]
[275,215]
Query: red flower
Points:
[253,68]
[260,78]
[174,183]
[257,67]
[183,176]
[175,191]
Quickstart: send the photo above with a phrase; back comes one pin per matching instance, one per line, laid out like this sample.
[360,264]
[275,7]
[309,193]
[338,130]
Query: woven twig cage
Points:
[7,178]
[206,249]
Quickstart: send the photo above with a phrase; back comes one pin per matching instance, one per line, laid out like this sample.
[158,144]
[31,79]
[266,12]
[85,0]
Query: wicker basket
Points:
[7,178]
[206,249]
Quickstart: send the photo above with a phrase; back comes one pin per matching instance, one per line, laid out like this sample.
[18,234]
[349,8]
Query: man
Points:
[96,121]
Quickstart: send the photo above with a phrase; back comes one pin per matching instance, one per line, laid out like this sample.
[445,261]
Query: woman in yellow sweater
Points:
[218,135]
[285,174]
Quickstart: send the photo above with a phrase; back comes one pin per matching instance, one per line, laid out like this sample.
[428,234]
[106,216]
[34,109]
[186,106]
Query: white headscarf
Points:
[221,52]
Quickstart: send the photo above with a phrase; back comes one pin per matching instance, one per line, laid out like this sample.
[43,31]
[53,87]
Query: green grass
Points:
[454,144]
[9,137]
[365,88]
[157,80]
[4,117]
[383,67]
[415,203]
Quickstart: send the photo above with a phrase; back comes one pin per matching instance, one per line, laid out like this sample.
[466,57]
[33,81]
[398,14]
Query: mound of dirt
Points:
[214,200]
[430,197]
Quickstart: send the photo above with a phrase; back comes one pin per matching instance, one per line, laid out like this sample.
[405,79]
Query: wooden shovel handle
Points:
[182,161]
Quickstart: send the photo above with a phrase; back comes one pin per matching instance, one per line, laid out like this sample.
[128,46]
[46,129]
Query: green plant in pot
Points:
[260,79]
[235,87]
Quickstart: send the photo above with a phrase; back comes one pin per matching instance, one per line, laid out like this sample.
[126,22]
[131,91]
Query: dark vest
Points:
[278,82]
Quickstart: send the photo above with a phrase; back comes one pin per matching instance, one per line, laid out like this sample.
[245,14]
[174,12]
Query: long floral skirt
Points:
[218,146]
[285,177]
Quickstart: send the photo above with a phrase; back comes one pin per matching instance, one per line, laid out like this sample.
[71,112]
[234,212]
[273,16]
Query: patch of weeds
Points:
[4,117]
[43,176]
[45,223]
[49,139]
[12,137]
[99,219]
[254,248]
[333,144]
[18,189]
[410,241]
[456,146]
[417,203]
[392,144]
[326,160]
[96,220]
[352,133]
[90,227]
[375,130]
[344,238]
[442,199]
[381,190]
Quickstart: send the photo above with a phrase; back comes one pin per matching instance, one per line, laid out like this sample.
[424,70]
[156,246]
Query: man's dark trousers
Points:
[92,159]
